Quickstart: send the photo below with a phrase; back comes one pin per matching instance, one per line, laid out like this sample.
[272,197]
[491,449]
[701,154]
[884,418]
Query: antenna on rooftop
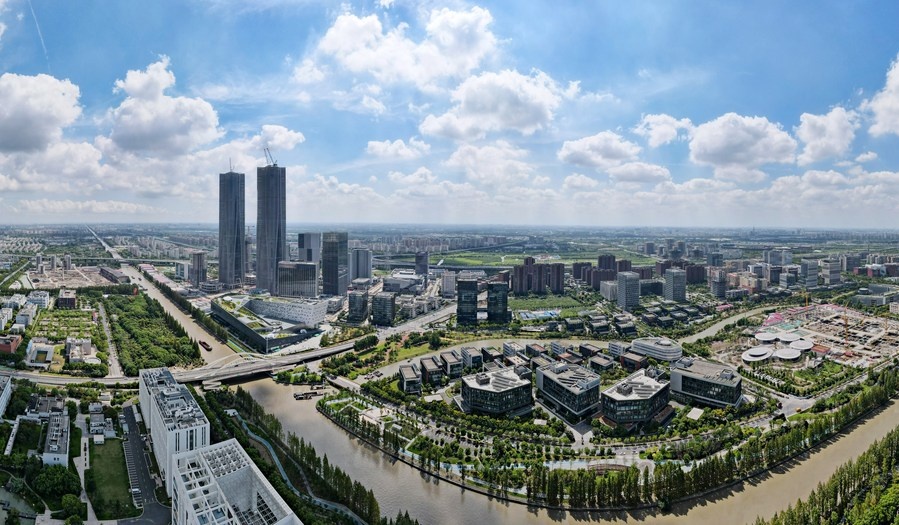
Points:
[230,165]
[268,157]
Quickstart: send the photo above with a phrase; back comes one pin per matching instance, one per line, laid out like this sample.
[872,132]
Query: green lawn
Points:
[544,302]
[111,497]
[413,351]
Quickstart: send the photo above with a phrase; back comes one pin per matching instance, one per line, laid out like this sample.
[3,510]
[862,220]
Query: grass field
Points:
[113,491]
[544,302]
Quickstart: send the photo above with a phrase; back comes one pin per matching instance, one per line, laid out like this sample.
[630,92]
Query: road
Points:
[13,272]
[138,457]
[715,328]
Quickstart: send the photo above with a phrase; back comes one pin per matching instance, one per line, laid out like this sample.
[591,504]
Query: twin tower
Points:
[271,227]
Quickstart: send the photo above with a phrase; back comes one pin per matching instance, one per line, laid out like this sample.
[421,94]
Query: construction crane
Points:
[268,157]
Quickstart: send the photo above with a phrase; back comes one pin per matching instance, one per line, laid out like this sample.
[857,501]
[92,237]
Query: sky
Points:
[655,113]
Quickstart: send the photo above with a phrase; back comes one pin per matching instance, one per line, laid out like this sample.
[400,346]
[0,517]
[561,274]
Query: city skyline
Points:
[664,114]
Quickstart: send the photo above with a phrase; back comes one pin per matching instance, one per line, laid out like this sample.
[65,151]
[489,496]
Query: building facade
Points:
[271,225]
[197,268]
[361,264]
[232,223]
[496,393]
[572,389]
[467,305]
[358,307]
[297,279]
[309,246]
[636,399]
[498,303]
[676,285]
[335,263]
[706,382]
[628,290]
[383,309]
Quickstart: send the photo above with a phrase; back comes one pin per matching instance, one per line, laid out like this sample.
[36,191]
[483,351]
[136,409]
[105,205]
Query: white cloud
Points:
[420,176]
[148,120]
[34,110]
[867,156]
[500,163]
[308,73]
[578,181]
[660,129]
[736,146]
[885,104]
[398,149]
[639,172]
[69,207]
[826,136]
[500,101]
[455,44]
[603,150]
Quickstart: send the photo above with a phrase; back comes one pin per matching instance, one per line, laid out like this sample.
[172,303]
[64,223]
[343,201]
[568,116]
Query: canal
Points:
[400,487]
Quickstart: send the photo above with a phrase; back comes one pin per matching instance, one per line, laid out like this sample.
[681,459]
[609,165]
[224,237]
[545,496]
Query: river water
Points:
[398,486]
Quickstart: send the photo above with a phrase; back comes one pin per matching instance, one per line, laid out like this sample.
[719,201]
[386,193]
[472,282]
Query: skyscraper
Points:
[360,263]
[628,290]
[310,247]
[335,267]
[676,285]
[557,278]
[271,225]
[422,261]
[497,303]
[232,264]
[197,268]
[467,305]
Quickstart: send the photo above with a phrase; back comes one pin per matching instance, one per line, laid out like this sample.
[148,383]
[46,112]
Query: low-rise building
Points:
[39,298]
[5,393]
[410,379]
[26,314]
[42,407]
[601,363]
[39,353]
[9,343]
[659,348]
[708,383]
[67,300]
[501,392]
[56,445]
[80,350]
[220,484]
[471,357]
[491,354]
[635,399]
[631,361]
[511,348]
[452,364]
[431,371]
[572,390]
[15,301]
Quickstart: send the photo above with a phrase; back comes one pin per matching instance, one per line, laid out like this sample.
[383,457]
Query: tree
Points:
[72,506]
[12,517]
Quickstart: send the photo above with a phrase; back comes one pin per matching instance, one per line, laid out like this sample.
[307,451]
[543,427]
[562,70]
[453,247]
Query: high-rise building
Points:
[718,282]
[830,269]
[360,263]
[448,284]
[578,269]
[310,247]
[497,303]
[67,262]
[529,277]
[383,309]
[271,225]
[467,305]
[809,269]
[557,278]
[623,265]
[358,307]
[232,222]
[649,248]
[676,285]
[197,268]
[422,261]
[628,290]
[715,259]
[297,279]
[606,262]
[335,263]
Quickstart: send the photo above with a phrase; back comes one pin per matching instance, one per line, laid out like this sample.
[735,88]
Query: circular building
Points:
[766,337]
[787,354]
[757,354]
[788,337]
[802,345]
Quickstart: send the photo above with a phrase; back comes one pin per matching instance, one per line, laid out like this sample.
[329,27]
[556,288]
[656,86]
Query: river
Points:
[400,487]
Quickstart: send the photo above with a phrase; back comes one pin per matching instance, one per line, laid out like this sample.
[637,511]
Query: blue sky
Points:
[584,113]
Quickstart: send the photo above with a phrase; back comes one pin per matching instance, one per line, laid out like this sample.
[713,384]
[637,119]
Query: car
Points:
[135,491]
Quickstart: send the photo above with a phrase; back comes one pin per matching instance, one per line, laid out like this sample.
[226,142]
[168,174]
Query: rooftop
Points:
[635,387]
[496,381]
[177,406]
[707,370]
[57,434]
[409,373]
[574,378]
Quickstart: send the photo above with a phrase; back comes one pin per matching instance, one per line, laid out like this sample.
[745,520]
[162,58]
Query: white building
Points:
[306,312]
[80,350]
[448,284]
[174,419]
[658,348]
[40,298]
[56,447]
[26,314]
[6,315]
[15,301]
[5,393]
[675,285]
[220,485]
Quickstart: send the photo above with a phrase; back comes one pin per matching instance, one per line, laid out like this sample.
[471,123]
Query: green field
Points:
[56,325]
[544,302]
[111,496]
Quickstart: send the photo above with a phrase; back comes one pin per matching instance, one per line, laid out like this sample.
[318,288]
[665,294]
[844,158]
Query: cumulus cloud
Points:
[420,176]
[69,207]
[603,150]
[660,129]
[826,136]
[398,149]
[867,156]
[500,101]
[578,181]
[884,106]
[34,110]
[308,73]
[456,42]
[736,146]
[500,163]
[639,172]
[148,120]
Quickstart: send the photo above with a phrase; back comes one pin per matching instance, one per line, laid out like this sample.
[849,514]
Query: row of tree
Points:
[219,331]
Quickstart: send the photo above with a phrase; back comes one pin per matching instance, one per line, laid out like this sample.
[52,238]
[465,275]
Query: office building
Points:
[658,348]
[499,392]
[197,268]
[809,269]
[232,223]
[628,290]
[271,225]
[498,303]
[636,399]
[410,379]
[56,444]
[39,298]
[383,309]
[360,262]
[676,285]
[715,259]
[422,262]
[448,284]
[219,484]
[297,279]
[830,269]
[335,263]
[173,418]
[452,364]
[9,343]
[431,371]
[471,357]
[572,390]
[358,307]
[708,383]
[67,300]
[718,282]
[467,303]
[310,247]
[649,248]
